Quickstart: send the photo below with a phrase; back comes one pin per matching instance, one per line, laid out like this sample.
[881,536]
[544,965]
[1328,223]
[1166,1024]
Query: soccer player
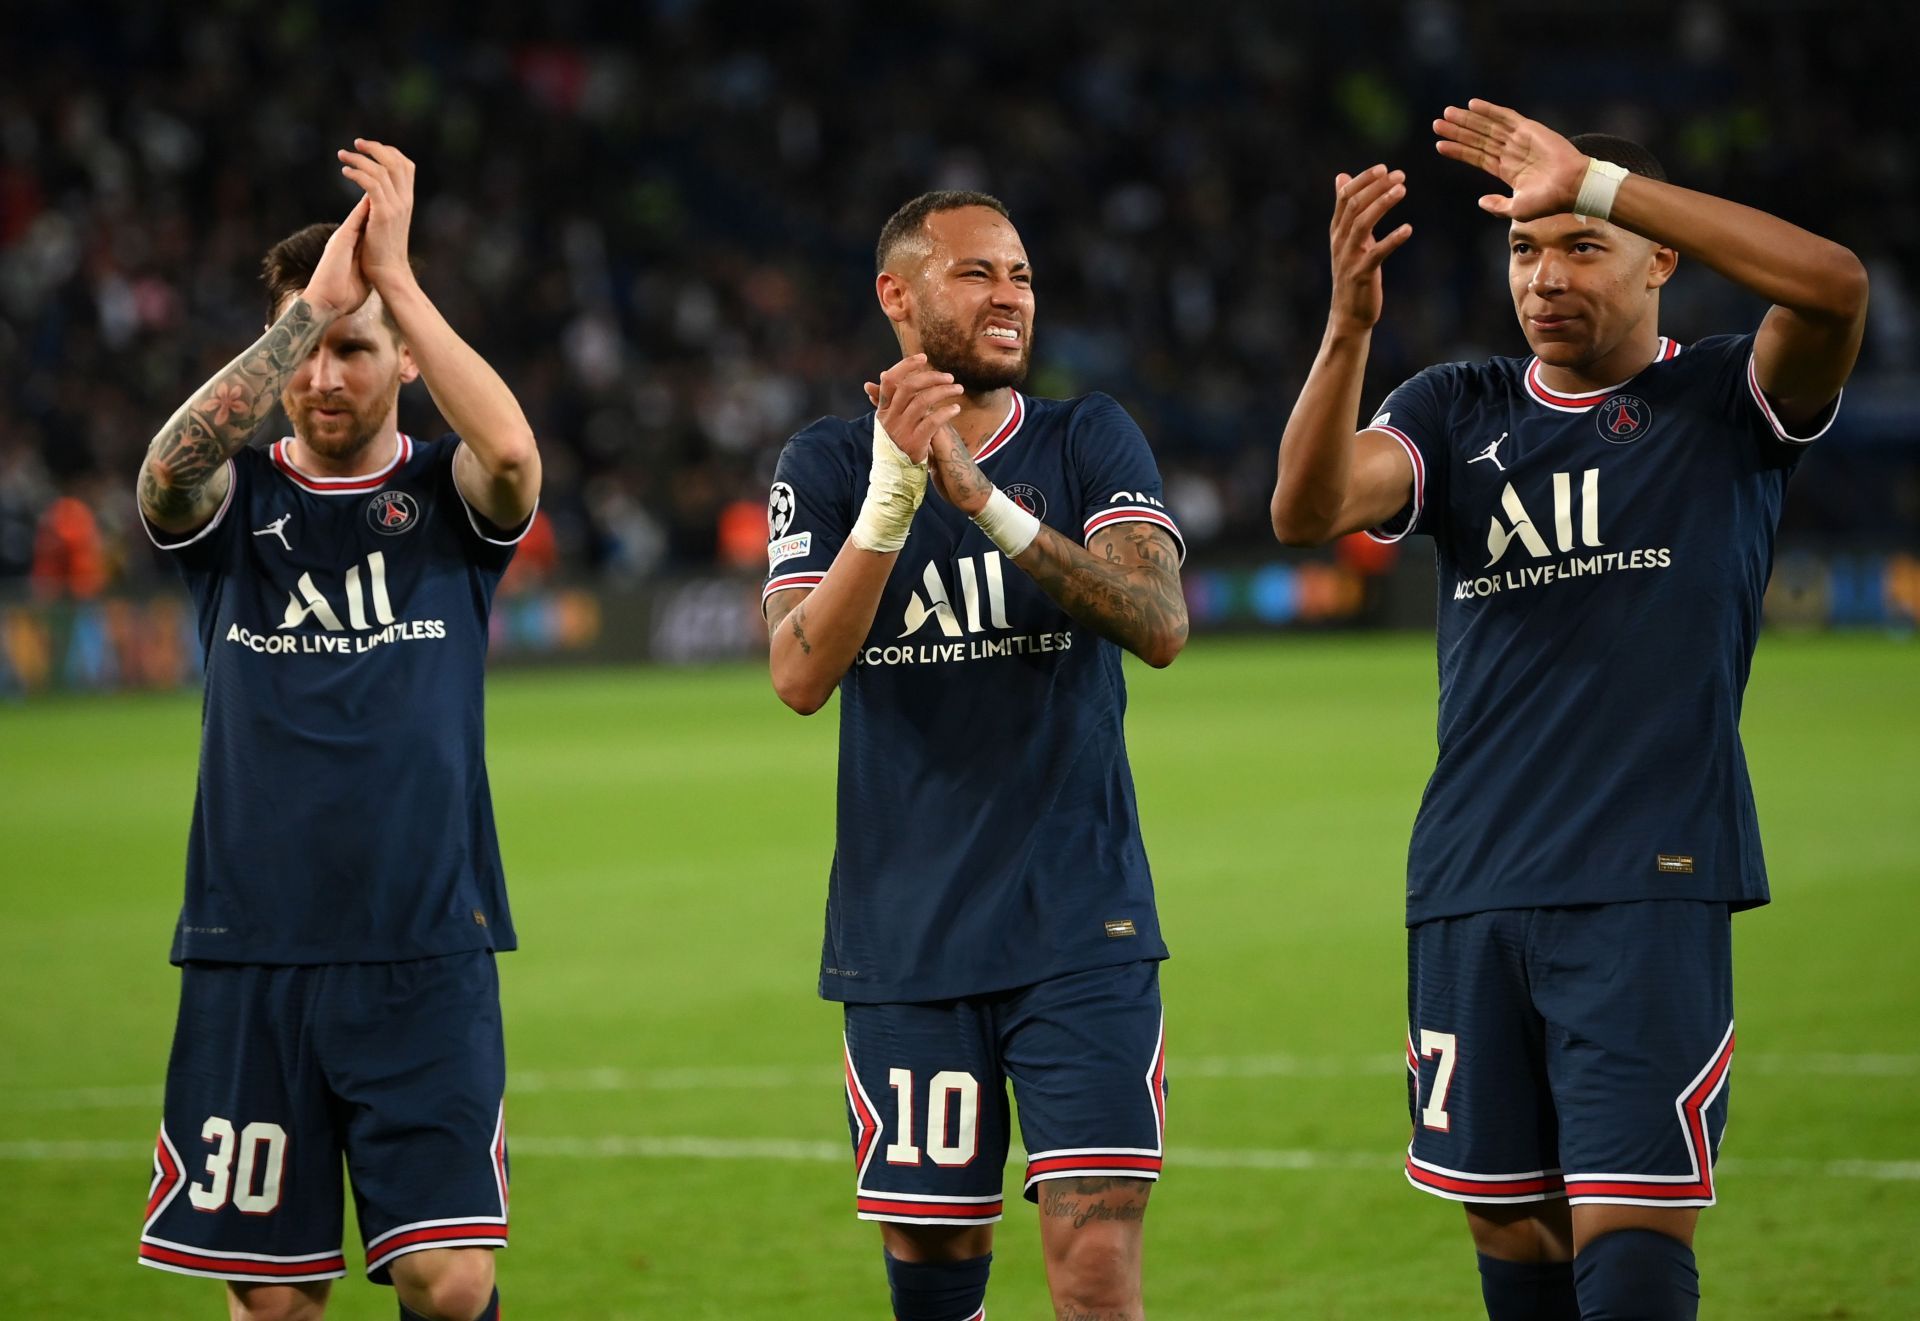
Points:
[344,894]
[1603,515]
[990,914]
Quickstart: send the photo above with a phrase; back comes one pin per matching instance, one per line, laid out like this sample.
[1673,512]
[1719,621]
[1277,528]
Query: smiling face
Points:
[1583,288]
[342,397]
[962,293]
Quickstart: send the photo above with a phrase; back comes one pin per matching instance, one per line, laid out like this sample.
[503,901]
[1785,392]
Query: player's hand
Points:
[1360,201]
[338,285]
[914,402]
[955,475]
[1543,169]
[387,177]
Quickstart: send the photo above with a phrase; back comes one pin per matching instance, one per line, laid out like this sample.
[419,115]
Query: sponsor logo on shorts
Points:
[1674,862]
[1120,928]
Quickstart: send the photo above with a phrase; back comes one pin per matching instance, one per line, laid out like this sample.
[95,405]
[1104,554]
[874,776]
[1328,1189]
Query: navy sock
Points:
[492,1312]
[938,1290]
[1637,1275]
[1528,1290]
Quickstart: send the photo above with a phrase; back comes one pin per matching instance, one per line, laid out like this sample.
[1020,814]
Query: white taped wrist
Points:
[1006,524]
[895,487]
[1598,189]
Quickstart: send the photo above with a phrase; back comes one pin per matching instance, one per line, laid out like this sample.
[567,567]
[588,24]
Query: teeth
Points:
[1000,332]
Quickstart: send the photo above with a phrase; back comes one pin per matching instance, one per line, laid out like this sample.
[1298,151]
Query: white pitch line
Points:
[778,1078]
[836,1153]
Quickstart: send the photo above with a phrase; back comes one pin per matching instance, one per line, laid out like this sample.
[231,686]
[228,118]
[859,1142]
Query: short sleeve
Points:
[1733,366]
[810,506]
[487,544]
[1415,415]
[199,551]
[1119,481]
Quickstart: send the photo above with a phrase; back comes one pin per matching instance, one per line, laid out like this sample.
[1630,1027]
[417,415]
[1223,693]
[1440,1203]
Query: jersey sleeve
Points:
[810,507]
[488,544]
[200,550]
[1738,376]
[1119,481]
[1415,415]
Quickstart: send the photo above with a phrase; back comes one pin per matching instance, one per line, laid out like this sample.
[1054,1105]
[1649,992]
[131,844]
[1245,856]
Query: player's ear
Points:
[1661,268]
[896,299]
[409,370]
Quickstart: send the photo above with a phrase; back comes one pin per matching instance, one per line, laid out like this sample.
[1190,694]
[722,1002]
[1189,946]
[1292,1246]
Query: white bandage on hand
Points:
[1006,524]
[1598,189]
[895,487]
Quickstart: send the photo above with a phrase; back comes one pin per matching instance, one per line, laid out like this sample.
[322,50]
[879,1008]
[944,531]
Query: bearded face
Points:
[970,351]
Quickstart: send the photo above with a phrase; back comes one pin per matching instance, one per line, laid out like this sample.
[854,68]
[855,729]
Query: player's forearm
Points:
[812,644]
[1130,595]
[1316,449]
[182,475]
[468,392]
[1783,263]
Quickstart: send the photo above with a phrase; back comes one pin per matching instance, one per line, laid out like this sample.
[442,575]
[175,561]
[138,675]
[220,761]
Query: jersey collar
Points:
[1580,403]
[282,453]
[1016,414]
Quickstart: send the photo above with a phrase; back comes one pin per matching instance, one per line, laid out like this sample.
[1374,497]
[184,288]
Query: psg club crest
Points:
[1623,418]
[1028,497]
[781,502]
[392,512]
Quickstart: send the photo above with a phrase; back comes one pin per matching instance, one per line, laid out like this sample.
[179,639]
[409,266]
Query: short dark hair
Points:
[289,265]
[1624,152]
[903,225]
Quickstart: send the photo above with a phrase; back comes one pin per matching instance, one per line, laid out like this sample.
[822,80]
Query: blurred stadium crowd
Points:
[657,221]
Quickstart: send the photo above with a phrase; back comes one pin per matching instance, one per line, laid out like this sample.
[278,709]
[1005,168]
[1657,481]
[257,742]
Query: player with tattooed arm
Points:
[1603,514]
[344,896]
[990,915]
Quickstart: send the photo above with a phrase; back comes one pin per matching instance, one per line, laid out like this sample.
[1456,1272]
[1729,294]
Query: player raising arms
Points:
[1603,515]
[989,914]
[344,891]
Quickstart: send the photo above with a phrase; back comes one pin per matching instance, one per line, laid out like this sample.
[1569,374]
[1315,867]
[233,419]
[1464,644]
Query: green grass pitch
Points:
[679,1143]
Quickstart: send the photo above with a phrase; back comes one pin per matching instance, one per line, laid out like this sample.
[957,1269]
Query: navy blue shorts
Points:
[927,1092]
[278,1071]
[1570,1052]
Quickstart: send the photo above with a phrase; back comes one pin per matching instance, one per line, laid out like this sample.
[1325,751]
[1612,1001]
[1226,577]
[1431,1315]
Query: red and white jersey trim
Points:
[249,1267]
[1773,418]
[915,1209]
[473,1232]
[473,519]
[1382,534]
[1135,513]
[1016,414]
[1093,1162]
[169,1177]
[154,534]
[1580,403]
[1461,1186]
[781,582]
[282,454]
[1694,1188]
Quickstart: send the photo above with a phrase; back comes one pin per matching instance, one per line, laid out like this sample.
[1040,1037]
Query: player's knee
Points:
[276,1302]
[454,1284]
[1529,1232]
[1095,1271]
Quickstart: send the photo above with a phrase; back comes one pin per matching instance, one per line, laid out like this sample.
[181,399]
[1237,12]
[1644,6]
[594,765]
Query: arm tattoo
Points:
[799,619]
[1128,593]
[197,440]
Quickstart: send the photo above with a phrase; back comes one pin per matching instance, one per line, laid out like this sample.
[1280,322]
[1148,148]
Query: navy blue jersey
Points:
[1602,559]
[342,814]
[986,835]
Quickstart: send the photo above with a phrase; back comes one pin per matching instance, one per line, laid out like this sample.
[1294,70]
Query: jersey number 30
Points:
[261,1151]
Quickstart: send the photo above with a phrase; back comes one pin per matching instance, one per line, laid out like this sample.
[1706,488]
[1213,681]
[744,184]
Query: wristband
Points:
[1597,189]
[895,487]
[1006,524]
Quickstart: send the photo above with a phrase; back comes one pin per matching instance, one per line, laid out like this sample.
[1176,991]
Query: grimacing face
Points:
[1581,286]
[344,394]
[973,299]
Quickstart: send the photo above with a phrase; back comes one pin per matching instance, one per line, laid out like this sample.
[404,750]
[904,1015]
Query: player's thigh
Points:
[927,1114]
[1484,1129]
[415,1052]
[246,1183]
[1086,1053]
[1638,999]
